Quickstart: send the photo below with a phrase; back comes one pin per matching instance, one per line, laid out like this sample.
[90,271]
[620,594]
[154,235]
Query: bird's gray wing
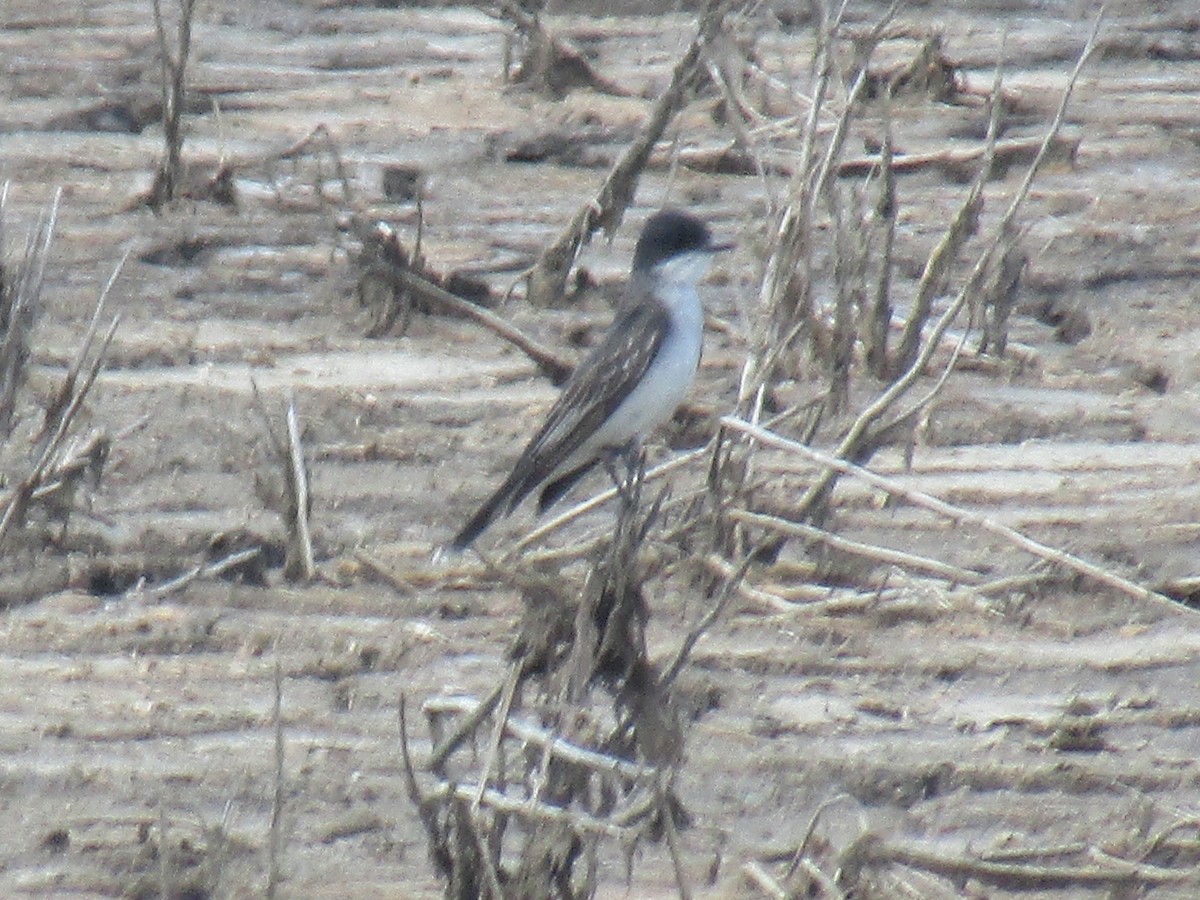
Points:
[592,393]
[594,390]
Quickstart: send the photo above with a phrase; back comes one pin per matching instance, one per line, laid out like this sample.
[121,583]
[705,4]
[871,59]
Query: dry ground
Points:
[1057,723]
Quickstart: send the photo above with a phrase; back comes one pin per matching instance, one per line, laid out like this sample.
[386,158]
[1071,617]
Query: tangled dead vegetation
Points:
[50,462]
[582,743]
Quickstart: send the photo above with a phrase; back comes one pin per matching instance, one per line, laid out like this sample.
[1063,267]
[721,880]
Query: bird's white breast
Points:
[665,383]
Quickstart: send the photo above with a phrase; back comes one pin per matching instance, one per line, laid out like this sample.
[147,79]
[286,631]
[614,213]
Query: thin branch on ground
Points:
[872,851]
[956,514]
[883,555]
[202,572]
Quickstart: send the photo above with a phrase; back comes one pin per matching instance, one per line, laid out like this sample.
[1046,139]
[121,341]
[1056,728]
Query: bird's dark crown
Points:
[669,233]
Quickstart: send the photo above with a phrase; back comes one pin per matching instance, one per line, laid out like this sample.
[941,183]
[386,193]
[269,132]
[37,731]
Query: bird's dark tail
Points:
[482,519]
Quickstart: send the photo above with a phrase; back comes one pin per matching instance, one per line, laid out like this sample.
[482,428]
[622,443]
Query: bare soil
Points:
[1053,722]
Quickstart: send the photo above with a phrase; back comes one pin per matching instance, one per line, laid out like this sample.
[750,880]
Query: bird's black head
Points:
[669,233]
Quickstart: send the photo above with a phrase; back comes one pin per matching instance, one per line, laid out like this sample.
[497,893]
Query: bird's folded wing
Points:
[593,392]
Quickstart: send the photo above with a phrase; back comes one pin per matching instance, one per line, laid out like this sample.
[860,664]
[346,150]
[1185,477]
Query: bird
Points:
[630,383]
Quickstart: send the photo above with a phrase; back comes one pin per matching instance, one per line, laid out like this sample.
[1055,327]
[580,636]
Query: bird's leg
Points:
[625,466]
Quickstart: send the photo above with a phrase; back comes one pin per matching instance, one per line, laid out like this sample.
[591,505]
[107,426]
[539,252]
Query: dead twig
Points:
[554,744]
[60,417]
[547,278]
[882,555]
[956,514]
[20,302]
[598,500]
[275,831]
[201,572]
[301,501]
[173,81]
[872,851]
[553,66]
[856,442]
[292,499]
[554,366]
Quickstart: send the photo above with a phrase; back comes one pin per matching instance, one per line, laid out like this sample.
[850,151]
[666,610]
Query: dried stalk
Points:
[956,514]
[20,302]
[60,415]
[546,280]
[201,572]
[872,851]
[554,744]
[856,439]
[555,367]
[883,555]
[301,499]
[173,79]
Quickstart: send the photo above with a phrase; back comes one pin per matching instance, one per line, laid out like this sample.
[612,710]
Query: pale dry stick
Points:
[1013,854]
[1157,842]
[164,854]
[534,812]
[393,579]
[21,293]
[67,388]
[829,887]
[275,833]
[672,836]
[885,555]
[1024,877]
[1011,583]
[503,710]
[554,366]
[956,514]
[733,582]
[198,573]
[599,499]
[790,243]
[764,881]
[736,101]
[722,568]
[1011,151]
[301,496]
[173,77]
[811,176]
[580,550]
[802,847]
[559,746]
[962,226]
[425,810]
[440,753]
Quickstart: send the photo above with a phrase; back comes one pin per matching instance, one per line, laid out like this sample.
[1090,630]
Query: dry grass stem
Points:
[57,465]
[547,278]
[173,82]
[275,832]
[957,514]
[301,501]
[857,442]
[554,366]
[882,555]
[872,851]
[214,569]
[566,517]
[554,744]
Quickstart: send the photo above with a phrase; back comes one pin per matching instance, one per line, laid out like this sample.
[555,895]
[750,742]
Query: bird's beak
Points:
[719,248]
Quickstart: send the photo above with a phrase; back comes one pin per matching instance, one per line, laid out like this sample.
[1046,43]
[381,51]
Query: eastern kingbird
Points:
[631,383]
